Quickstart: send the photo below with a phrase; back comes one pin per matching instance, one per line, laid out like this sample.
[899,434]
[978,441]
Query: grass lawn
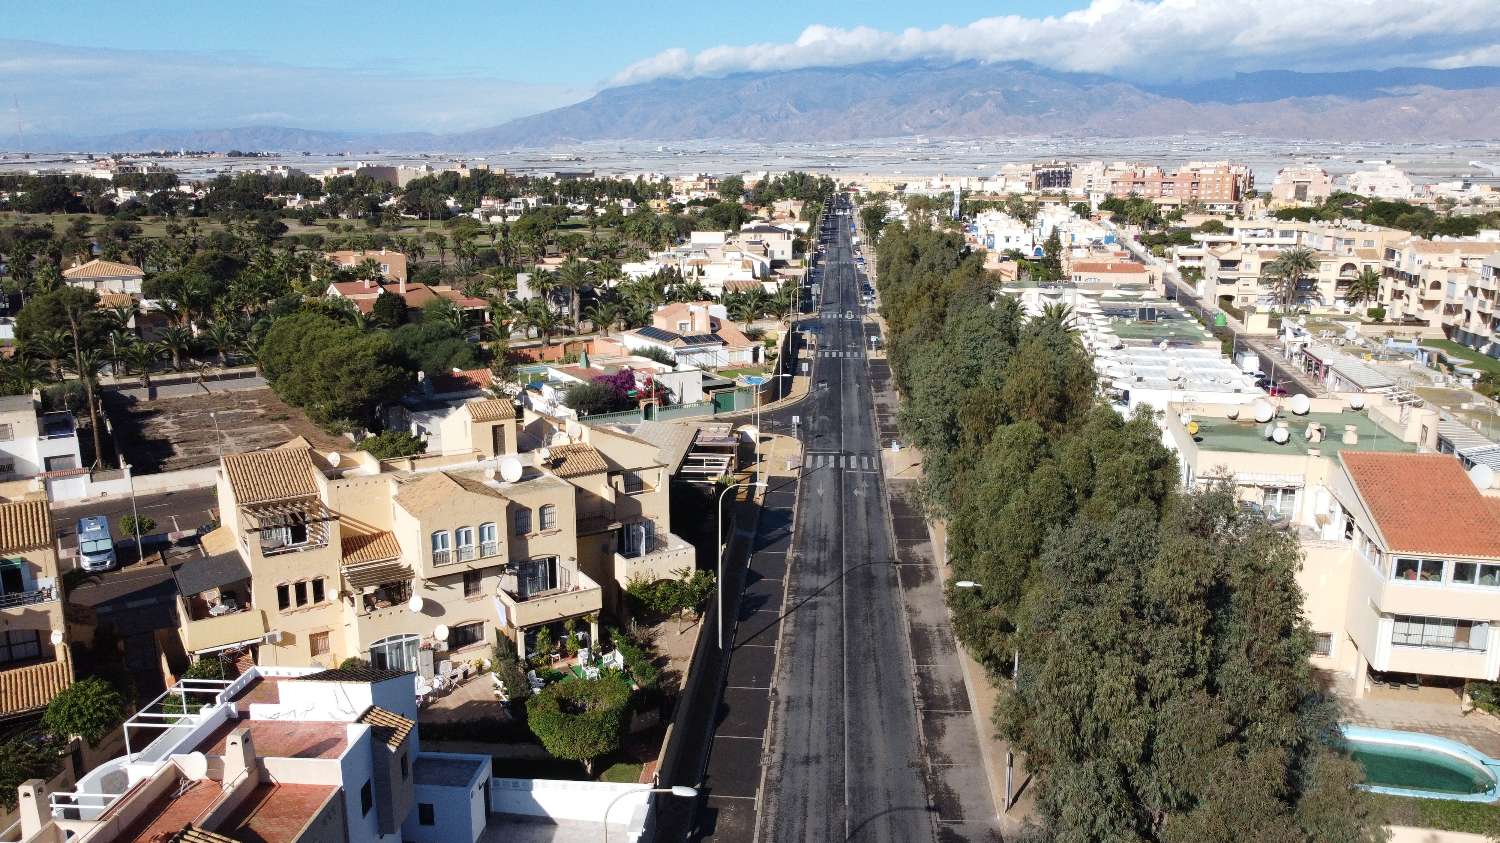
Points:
[748,370]
[1443,814]
[623,773]
[1481,362]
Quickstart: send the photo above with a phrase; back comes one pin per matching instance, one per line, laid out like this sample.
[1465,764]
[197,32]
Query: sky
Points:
[89,68]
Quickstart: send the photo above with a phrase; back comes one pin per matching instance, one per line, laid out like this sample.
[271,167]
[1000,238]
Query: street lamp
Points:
[720,622]
[676,790]
[140,555]
[1015,665]
[758,382]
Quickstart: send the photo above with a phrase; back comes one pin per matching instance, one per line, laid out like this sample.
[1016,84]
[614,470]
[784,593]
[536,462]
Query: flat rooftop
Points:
[284,738]
[261,689]
[169,812]
[1245,435]
[275,813]
[512,828]
[445,772]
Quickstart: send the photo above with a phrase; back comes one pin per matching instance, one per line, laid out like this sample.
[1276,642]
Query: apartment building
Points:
[1212,184]
[1438,281]
[407,563]
[1301,185]
[696,334]
[1384,182]
[278,755]
[1234,261]
[1469,315]
[40,451]
[1402,576]
[34,660]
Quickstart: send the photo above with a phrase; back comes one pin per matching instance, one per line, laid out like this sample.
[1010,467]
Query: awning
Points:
[373,574]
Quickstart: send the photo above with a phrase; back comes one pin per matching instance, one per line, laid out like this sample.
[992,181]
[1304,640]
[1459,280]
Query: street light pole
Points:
[677,790]
[1015,656]
[140,554]
[719,615]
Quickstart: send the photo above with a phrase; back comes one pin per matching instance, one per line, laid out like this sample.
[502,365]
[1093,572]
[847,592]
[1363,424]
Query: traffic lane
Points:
[1281,373]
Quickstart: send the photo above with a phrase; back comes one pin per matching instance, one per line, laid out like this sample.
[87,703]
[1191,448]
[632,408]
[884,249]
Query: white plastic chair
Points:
[534,681]
[583,655]
[614,659]
[591,672]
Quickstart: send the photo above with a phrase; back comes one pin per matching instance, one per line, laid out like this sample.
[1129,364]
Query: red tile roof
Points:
[1108,266]
[1425,503]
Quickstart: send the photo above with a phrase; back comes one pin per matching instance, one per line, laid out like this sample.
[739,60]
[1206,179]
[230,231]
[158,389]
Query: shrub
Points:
[206,667]
[1376,314]
[580,719]
[132,525]
[353,663]
[89,708]
[391,444]
[34,755]
[1485,696]
[510,670]
[593,398]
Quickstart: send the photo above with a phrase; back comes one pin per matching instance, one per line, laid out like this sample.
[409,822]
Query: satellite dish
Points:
[510,469]
[334,458]
[1268,431]
[1192,428]
[440,632]
[1301,404]
[1174,373]
[544,454]
[1185,418]
[1357,402]
[194,765]
[560,438]
[415,604]
[574,429]
[56,637]
[1232,413]
[1280,435]
[1482,476]
[1264,412]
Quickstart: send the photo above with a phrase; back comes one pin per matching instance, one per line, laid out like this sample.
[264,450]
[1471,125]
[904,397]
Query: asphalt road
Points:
[845,756]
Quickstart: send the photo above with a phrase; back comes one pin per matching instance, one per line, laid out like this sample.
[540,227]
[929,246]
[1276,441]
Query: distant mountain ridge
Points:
[945,99]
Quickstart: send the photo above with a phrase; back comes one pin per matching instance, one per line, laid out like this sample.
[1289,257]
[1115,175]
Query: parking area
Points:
[169,434]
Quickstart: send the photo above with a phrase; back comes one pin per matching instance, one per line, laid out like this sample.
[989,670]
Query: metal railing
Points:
[489,548]
[442,557]
[465,552]
[27,598]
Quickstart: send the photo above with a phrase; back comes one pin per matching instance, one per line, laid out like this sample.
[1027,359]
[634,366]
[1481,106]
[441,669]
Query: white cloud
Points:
[1140,39]
[63,90]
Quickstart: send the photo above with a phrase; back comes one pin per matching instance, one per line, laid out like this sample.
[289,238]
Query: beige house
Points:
[104,276]
[408,562]
[34,661]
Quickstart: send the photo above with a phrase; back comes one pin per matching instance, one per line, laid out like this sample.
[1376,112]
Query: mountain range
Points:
[943,99]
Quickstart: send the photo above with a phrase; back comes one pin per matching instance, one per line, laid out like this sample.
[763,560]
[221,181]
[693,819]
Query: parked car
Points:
[96,544]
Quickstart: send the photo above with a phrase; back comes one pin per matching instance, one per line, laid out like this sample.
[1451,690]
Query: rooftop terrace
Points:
[1246,436]
[284,738]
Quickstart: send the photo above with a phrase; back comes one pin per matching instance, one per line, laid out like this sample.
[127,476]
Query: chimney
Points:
[239,754]
[1351,434]
[35,813]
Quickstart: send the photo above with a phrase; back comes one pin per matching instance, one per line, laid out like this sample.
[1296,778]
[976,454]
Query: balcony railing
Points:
[28,598]
[489,548]
[465,552]
[443,557]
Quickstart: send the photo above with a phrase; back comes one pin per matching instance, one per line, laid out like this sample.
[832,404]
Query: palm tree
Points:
[223,337]
[117,348]
[1365,287]
[1289,268]
[25,373]
[536,315]
[742,310]
[574,276]
[604,315]
[176,340]
[544,283]
[86,363]
[142,357]
[51,346]
[1056,315]
[121,315]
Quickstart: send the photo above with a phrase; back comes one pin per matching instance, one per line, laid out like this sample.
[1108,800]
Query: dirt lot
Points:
[176,433]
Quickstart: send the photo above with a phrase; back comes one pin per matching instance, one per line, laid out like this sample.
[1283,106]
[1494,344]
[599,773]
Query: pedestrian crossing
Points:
[852,462]
[842,354]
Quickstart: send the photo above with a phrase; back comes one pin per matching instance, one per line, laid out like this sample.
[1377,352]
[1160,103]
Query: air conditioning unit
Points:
[272,637]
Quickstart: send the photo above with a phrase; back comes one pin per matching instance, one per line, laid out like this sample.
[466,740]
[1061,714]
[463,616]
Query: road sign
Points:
[754,380]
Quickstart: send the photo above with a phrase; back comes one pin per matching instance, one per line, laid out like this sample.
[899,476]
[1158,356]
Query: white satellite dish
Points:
[334,458]
[1301,404]
[56,637]
[440,632]
[1174,373]
[1482,476]
[510,469]
[1185,418]
[560,439]
[1264,412]
[1232,413]
[1357,402]
[1268,431]
[415,604]
[194,765]
[574,429]
[1280,435]
[544,454]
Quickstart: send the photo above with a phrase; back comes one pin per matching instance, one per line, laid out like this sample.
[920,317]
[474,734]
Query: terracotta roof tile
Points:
[271,475]
[436,489]
[1424,503]
[389,728]
[576,460]
[25,525]
[359,548]
[30,688]
[493,409]
[351,674]
[189,834]
[102,269]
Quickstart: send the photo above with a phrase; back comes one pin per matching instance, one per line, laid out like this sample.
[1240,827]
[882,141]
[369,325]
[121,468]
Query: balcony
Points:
[663,555]
[575,595]
[58,426]
[43,594]
[215,632]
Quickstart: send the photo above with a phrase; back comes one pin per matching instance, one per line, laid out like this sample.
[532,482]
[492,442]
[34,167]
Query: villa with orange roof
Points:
[104,276]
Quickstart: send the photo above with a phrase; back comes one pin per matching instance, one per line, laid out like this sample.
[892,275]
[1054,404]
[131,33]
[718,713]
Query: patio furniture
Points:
[445,669]
[591,672]
[583,655]
[498,686]
[614,659]
[424,691]
[534,681]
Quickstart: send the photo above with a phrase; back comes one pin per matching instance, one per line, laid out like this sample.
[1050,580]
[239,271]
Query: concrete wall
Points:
[568,800]
[1407,834]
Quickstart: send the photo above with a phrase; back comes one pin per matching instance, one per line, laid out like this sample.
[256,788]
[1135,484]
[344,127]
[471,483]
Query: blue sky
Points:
[105,66]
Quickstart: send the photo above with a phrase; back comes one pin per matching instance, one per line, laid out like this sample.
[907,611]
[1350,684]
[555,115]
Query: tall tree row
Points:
[1163,692]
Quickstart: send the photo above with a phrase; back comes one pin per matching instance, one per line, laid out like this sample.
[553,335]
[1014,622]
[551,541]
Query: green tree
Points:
[1288,270]
[132,525]
[389,310]
[90,708]
[332,369]
[24,756]
[732,188]
[391,444]
[580,719]
[1364,287]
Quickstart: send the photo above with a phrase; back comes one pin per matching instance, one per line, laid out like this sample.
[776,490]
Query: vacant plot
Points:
[169,434]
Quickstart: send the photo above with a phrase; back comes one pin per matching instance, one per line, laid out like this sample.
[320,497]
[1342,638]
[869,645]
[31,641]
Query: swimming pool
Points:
[1414,764]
